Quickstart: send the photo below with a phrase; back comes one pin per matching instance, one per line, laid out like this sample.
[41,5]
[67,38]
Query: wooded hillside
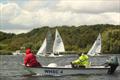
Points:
[75,38]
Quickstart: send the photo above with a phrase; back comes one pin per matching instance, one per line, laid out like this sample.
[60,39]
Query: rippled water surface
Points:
[10,68]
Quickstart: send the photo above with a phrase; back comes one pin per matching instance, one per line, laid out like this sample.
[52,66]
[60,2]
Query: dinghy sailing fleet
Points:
[58,46]
[52,49]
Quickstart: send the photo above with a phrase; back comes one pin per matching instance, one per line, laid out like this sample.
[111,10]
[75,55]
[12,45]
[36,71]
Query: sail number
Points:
[53,71]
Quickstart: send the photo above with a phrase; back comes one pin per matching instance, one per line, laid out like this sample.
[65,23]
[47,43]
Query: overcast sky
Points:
[19,16]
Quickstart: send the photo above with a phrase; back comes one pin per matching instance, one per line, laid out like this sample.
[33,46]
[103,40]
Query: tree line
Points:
[75,38]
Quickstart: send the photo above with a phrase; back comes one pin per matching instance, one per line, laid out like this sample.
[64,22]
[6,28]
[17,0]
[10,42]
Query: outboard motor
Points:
[113,63]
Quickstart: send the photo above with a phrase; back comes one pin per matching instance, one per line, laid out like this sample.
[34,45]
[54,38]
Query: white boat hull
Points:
[60,71]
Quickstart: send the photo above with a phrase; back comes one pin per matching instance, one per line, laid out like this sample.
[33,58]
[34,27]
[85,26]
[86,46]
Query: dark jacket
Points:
[30,59]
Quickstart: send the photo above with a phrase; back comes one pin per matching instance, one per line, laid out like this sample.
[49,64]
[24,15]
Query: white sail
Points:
[42,48]
[96,48]
[49,47]
[58,45]
[46,46]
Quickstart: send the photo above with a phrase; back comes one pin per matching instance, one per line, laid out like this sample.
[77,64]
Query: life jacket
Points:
[83,60]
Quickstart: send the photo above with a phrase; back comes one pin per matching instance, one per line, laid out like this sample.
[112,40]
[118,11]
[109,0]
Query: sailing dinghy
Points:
[51,49]
[46,46]
[58,45]
[96,48]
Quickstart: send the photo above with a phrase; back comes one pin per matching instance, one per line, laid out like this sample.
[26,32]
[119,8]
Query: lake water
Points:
[10,68]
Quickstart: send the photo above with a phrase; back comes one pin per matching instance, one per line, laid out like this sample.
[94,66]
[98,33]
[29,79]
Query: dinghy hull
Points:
[55,71]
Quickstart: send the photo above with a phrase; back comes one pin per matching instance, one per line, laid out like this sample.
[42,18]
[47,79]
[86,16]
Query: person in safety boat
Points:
[30,59]
[81,62]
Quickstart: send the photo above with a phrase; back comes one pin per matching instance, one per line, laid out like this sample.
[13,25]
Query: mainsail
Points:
[47,45]
[96,48]
[58,45]
[42,48]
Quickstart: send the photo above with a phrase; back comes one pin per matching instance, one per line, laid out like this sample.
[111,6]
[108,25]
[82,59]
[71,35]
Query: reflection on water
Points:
[10,69]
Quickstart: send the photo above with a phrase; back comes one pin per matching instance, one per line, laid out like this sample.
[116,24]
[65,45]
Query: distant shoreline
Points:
[65,53]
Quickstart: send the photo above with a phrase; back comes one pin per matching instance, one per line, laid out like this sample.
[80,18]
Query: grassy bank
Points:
[4,52]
